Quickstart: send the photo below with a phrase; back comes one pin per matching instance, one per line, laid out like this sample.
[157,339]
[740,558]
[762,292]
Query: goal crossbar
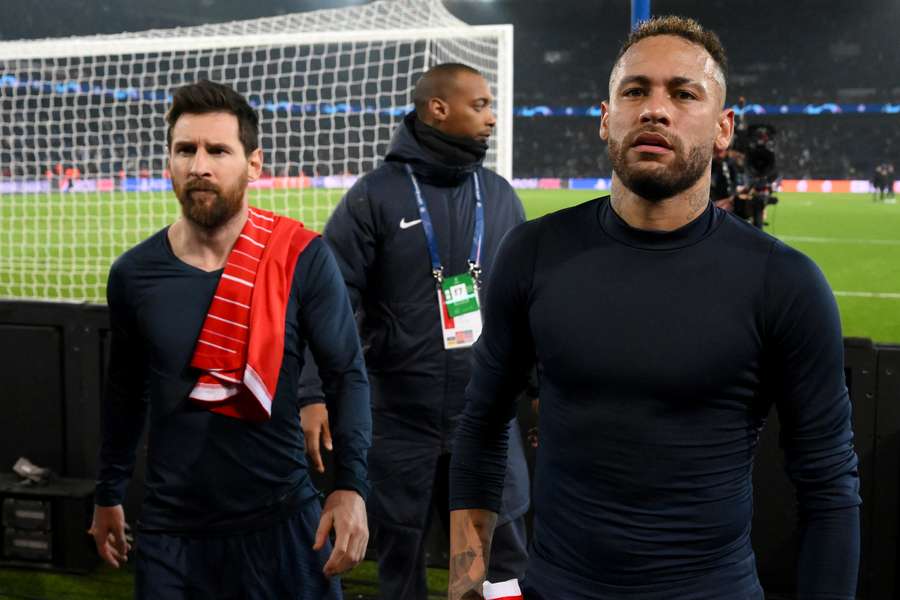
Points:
[85,47]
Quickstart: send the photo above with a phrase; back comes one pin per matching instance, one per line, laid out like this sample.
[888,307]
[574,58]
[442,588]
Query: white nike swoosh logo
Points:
[404,224]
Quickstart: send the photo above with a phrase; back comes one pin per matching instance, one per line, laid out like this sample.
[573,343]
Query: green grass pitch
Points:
[59,247]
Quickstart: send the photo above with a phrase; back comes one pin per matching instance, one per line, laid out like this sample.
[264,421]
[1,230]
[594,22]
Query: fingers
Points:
[108,531]
[351,532]
[102,549]
[312,449]
[117,551]
[106,553]
[314,420]
[347,553]
[326,435]
[120,543]
[361,542]
[324,528]
[107,549]
[339,561]
[533,437]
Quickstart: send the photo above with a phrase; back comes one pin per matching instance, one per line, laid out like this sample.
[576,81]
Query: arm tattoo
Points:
[465,583]
[462,562]
[468,567]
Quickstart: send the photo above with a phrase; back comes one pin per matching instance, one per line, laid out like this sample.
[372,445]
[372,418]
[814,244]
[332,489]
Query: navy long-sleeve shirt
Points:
[660,354]
[208,472]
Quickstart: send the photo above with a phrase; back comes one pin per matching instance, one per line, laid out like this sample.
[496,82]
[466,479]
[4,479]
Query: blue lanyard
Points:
[437,269]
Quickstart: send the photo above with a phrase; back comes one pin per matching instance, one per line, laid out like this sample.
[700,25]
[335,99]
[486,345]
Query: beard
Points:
[210,214]
[659,182]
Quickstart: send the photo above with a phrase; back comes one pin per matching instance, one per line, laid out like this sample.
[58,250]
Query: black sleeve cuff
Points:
[304,401]
[347,480]
[110,493]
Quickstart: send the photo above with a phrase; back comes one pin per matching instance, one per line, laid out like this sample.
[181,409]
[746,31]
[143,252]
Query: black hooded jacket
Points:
[375,233]
[377,237]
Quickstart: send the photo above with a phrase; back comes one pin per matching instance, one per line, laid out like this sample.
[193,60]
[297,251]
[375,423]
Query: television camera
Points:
[757,145]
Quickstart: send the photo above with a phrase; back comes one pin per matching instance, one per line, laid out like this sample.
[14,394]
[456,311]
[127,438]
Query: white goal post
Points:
[82,132]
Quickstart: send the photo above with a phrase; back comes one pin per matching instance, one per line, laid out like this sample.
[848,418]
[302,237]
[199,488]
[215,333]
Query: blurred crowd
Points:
[821,147]
[838,51]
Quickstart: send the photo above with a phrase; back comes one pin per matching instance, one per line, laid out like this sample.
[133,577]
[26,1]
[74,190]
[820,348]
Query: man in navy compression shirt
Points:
[664,329]
[229,509]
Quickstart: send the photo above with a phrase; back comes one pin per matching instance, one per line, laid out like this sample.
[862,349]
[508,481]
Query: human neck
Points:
[662,215]
[206,249]
[453,150]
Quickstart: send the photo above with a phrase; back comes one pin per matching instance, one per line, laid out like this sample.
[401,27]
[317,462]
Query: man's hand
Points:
[108,529]
[471,531]
[344,511]
[314,421]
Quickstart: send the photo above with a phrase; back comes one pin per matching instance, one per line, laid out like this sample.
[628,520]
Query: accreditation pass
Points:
[460,311]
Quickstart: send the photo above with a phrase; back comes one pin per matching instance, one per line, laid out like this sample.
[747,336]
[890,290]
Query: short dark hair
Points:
[207,97]
[437,83]
[682,27]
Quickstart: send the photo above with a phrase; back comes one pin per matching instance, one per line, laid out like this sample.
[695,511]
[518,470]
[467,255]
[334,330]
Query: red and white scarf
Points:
[241,346]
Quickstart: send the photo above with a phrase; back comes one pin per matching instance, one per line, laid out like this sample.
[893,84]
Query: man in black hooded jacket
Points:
[430,212]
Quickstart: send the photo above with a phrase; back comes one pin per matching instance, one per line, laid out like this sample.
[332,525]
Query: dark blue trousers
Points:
[276,561]
[400,509]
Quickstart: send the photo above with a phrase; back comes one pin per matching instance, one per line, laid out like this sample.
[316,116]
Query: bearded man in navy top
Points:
[210,320]
[664,329]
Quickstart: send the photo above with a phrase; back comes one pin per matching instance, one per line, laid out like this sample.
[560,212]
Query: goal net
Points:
[82,132]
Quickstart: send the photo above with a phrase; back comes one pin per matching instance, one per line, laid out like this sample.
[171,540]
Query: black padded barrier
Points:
[52,366]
